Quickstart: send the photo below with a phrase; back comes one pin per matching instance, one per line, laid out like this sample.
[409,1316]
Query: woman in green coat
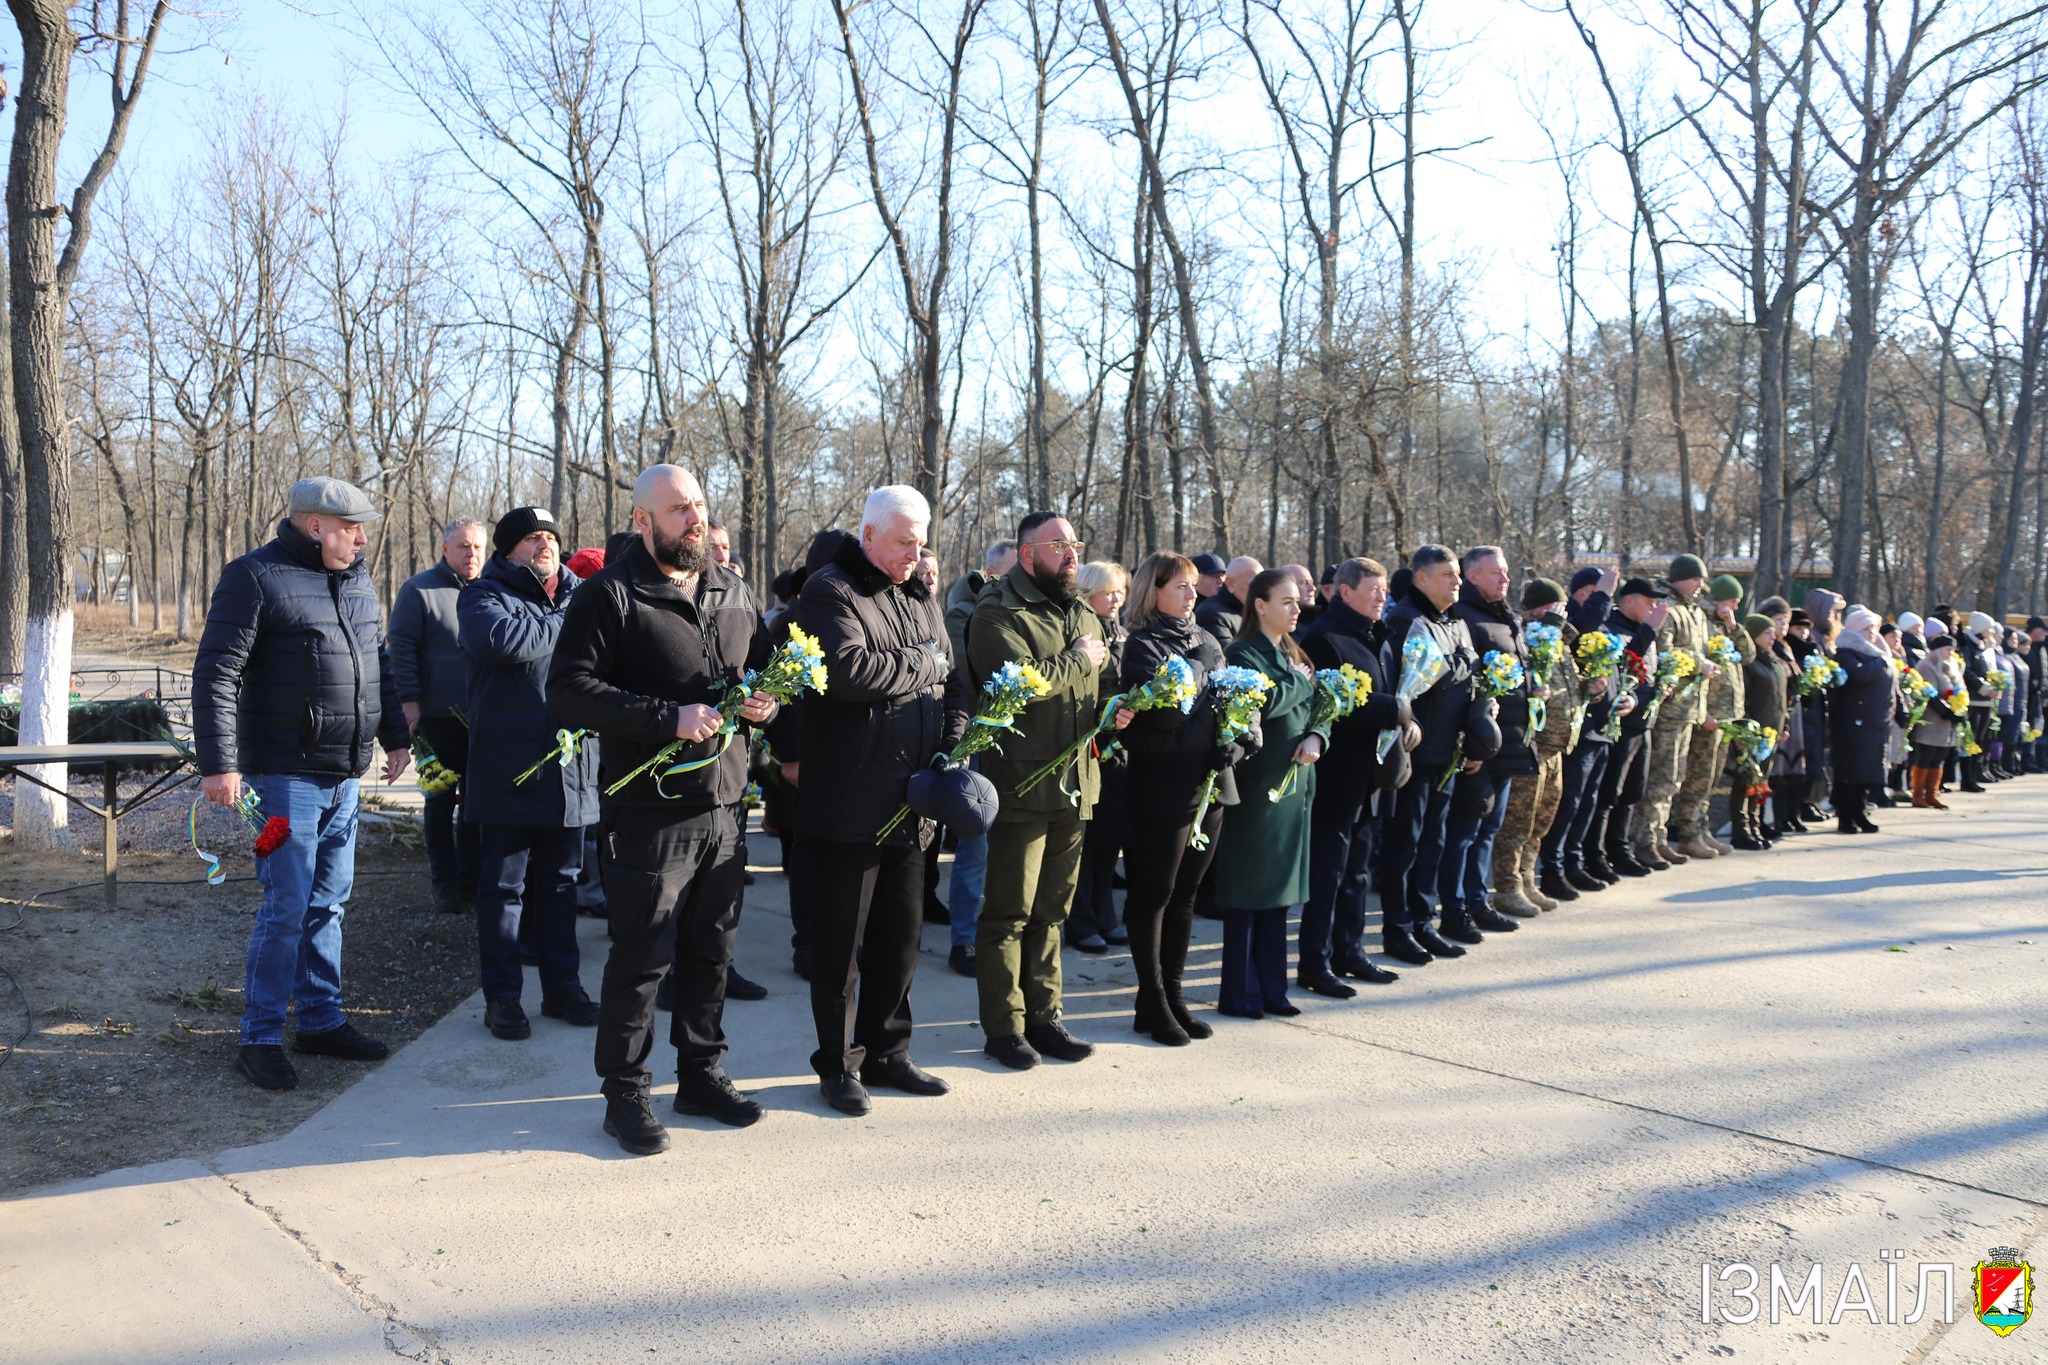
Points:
[1262,854]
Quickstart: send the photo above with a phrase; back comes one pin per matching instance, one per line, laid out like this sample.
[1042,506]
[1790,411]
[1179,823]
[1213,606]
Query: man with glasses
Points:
[1033,615]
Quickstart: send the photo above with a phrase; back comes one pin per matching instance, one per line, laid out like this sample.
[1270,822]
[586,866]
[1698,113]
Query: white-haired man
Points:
[892,703]
[648,647]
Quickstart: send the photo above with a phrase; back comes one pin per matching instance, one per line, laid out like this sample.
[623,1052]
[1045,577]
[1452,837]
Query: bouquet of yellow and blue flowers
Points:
[1997,679]
[1172,684]
[1004,696]
[1723,652]
[1676,670]
[1240,693]
[1918,693]
[796,665]
[1971,748]
[1339,692]
[1819,674]
[1599,655]
[1546,647]
[434,775]
[1499,674]
[1753,743]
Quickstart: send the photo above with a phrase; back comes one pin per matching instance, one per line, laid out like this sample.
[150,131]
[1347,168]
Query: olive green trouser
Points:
[1669,746]
[1703,763]
[1033,868]
[1532,803]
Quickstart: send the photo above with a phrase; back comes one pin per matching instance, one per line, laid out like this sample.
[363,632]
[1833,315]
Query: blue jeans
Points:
[528,871]
[1468,844]
[963,893]
[295,948]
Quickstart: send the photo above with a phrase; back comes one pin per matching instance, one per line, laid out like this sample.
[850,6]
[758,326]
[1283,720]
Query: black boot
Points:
[1556,885]
[1862,810]
[1178,1008]
[1400,945]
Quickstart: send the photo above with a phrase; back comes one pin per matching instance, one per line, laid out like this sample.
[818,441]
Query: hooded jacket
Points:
[635,649]
[509,629]
[291,674]
[892,698]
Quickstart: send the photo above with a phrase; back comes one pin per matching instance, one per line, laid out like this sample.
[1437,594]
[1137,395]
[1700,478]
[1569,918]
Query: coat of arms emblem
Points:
[2004,1290]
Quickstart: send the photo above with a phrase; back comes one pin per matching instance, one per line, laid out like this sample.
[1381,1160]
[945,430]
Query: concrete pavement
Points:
[1526,1155]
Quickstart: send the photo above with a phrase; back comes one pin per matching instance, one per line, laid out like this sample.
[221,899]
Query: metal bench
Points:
[109,757]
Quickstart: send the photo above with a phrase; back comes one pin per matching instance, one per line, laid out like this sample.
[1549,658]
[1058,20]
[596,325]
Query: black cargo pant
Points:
[672,885]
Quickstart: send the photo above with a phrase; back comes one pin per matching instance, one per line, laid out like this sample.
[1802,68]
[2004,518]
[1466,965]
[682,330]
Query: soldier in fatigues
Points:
[1691,829]
[1532,802]
[1680,716]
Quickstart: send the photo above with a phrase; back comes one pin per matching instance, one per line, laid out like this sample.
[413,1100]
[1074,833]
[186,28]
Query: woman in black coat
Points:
[1092,925]
[1171,757]
[1860,719]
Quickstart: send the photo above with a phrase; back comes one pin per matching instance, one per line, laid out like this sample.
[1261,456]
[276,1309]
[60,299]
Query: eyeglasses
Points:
[1061,547]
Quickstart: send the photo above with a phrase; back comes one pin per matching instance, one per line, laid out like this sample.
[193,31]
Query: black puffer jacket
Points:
[1171,754]
[635,650]
[1443,711]
[509,630]
[1222,615]
[1495,626]
[892,698]
[1352,770]
[291,675]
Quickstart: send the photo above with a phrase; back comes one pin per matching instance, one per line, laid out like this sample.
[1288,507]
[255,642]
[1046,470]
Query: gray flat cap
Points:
[321,496]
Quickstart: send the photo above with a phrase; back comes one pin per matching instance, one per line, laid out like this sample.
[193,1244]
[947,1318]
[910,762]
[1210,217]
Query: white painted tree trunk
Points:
[42,819]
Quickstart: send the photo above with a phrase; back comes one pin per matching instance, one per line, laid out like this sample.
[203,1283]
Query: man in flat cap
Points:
[290,693]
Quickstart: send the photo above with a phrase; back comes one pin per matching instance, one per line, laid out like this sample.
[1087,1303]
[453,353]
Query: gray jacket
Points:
[426,653]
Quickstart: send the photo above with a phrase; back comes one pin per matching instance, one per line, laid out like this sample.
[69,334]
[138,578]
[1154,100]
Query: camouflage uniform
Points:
[1671,733]
[1532,801]
[1710,751]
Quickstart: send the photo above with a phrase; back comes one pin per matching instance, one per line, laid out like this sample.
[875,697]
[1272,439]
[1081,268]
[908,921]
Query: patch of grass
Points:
[109,1027]
[208,999]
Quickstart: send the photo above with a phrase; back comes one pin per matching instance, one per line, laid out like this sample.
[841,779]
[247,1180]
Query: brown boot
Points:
[1934,789]
[1919,786]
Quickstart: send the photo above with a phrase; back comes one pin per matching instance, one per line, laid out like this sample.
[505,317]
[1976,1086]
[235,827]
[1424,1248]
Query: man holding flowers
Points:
[1033,617]
[532,786]
[1680,717]
[1729,650]
[886,711]
[651,648]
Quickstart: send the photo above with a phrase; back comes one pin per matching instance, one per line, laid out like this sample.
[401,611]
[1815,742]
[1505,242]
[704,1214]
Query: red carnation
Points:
[276,830]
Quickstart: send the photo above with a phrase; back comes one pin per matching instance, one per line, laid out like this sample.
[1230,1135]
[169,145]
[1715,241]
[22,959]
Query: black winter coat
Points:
[292,675]
[1352,771]
[1763,690]
[1495,626]
[426,657]
[635,650]
[892,699]
[509,630]
[1861,712]
[1636,639]
[1171,754]
[1222,615]
[1443,711]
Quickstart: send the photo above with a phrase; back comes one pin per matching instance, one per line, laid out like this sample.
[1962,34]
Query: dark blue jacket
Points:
[1350,772]
[509,629]
[291,675]
[1861,716]
[426,657]
[1445,711]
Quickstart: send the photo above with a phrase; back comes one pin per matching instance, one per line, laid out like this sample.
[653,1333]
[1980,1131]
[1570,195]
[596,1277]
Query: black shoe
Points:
[505,1019]
[737,987]
[1283,1010]
[1052,1039]
[266,1065]
[1233,1012]
[711,1094]
[1012,1052]
[450,902]
[1653,863]
[900,1073]
[1811,813]
[572,1006]
[665,993]
[1879,796]
[1493,921]
[1118,937]
[630,1119]
[1178,1008]
[1088,943]
[344,1042]
[1582,880]
[1556,886]
[1973,787]
[1747,842]
[1400,945]
[1626,865]
[846,1094]
[1158,1023]
[1362,968]
[1325,983]
[961,960]
[1458,928]
[1435,946]
[1863,823]
[1602,872]
[1847,825]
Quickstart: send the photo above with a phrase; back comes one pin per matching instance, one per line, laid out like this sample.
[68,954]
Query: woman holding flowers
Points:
[1093,926]
[1764,693]
[1172,754]
[1936,734]
[1262,860]
[1860,713]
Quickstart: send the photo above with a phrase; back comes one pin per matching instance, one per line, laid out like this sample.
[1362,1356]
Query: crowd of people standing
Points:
[601,733]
